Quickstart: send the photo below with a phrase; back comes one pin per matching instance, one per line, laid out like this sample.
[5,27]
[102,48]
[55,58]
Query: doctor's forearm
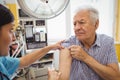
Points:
[32,57]
[105,72]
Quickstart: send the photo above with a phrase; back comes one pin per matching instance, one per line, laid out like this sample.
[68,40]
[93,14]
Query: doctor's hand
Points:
[57,45]
[53,75]
[78,53]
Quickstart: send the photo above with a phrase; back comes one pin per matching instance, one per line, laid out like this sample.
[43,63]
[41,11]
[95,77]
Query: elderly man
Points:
[93,55]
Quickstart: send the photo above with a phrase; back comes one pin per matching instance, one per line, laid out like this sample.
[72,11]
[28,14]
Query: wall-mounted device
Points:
[35,34]
[29,33]
[22,14]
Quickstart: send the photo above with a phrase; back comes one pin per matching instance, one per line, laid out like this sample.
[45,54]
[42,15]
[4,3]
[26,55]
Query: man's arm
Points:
[65,64]
[107,72]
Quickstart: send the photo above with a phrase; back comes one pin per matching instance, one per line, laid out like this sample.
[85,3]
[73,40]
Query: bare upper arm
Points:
[65,52]
[65,64]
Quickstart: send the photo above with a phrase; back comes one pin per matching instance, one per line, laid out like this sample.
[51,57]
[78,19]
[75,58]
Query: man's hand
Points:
[78,53]
[53,75]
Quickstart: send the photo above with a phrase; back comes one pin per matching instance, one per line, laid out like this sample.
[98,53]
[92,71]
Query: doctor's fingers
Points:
[60,42]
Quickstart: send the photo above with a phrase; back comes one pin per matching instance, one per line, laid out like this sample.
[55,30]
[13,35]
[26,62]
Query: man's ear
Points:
[97,24]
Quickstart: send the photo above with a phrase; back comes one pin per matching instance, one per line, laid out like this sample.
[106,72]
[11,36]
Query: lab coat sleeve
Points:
[11,64]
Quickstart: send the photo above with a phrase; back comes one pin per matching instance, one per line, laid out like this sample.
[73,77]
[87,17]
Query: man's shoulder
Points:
[69,41]
[72,38]
[105,39]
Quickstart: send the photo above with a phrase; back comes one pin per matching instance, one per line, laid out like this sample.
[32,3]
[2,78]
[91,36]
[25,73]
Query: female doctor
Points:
[9,65]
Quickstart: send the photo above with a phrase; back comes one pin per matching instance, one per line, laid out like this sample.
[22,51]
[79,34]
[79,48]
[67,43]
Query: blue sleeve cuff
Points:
[13,64]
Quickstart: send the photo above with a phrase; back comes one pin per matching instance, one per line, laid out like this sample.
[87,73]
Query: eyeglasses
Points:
[3,76]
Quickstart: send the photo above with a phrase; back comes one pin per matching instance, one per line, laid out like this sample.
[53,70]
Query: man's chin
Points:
[81,38]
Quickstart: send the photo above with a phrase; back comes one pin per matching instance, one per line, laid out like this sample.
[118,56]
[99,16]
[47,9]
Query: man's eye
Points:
[81,22]
[74,24]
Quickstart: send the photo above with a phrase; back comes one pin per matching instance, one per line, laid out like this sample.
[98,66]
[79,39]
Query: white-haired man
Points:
[93,55]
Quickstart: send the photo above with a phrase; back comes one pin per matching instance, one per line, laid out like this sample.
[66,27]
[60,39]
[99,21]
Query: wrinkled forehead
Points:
[81,14]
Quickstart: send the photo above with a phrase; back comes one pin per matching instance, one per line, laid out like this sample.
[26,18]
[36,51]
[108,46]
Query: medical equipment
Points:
[43,9]
[38,11]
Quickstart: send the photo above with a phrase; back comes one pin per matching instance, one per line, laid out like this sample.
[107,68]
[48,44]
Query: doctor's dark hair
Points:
[6,16]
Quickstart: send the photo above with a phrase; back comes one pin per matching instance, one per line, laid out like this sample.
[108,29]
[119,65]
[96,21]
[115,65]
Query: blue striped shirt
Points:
[102,50]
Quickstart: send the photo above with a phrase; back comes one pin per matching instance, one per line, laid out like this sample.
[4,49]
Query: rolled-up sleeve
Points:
[70,41]
[66,43]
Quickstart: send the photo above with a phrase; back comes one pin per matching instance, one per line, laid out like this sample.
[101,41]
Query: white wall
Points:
[56,28]
[1,2]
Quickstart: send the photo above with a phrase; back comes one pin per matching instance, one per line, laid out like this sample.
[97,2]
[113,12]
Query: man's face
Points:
[6,36]
[84,28]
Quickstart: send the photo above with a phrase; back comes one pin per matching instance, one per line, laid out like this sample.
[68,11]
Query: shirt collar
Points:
[97,41]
